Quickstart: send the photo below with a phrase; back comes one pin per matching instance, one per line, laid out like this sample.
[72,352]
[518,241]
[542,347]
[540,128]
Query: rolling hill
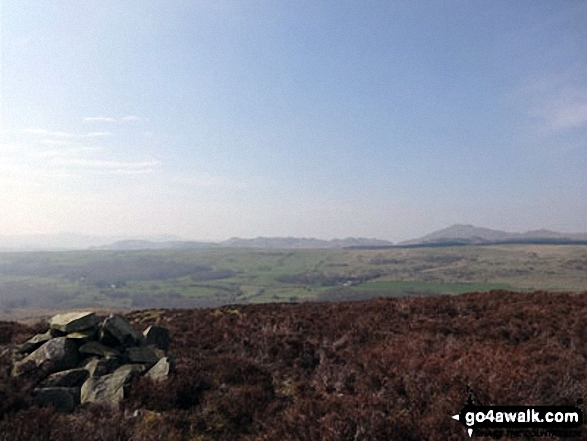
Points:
[472,235]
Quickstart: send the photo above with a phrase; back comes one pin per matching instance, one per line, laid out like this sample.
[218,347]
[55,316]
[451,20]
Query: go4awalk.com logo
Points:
[497,420]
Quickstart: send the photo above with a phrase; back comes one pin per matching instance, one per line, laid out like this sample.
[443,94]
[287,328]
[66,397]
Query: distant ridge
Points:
[259,242]
[69,241]
[124,245]
[460,234]
[455,235]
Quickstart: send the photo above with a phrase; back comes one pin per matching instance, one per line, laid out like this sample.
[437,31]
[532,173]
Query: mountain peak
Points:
[479,235]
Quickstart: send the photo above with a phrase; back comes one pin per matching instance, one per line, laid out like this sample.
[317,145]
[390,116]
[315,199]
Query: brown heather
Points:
[387,369]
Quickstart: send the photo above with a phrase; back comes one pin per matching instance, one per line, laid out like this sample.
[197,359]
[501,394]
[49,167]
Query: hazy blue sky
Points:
[212,119]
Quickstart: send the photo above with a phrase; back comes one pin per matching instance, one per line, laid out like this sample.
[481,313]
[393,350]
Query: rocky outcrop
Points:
[97,348]
[64,399]
[98,367]
[118,330]
[55,355]
[79,360]
[157,336]
[109,389]
[68,378]
[73,321]
[33,343]
[144,354]
[161,370]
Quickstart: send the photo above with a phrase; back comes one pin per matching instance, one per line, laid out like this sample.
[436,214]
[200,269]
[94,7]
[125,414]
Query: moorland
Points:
[266,345]
[384,369]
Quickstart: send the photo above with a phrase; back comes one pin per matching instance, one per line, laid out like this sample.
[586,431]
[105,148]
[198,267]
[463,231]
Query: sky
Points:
[218,118]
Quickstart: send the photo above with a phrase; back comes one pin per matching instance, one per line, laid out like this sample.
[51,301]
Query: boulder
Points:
[161,370]
[73,321]
[157,336]
[95,348]
[63,399]
[56,355]
[109,389]
[35,342]
[143,354]
[119,328]
[68,378]
[98,367]
[85,335]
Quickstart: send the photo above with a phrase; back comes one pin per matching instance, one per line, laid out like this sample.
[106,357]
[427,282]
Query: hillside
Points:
[472,235]
[387,369]
[31,283]
[258,242]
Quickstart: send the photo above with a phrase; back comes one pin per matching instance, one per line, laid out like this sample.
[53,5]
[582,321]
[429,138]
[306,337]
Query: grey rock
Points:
[157,336]
[35,342]
[118,327]
[95,348]
[134,369]
[143,354]
[73,321]
[85,335]
[55,333]
[15,355]
[52,359]
[161,370]
[68,378]
[109,389]
[56,355]
[100,367]
[63,399]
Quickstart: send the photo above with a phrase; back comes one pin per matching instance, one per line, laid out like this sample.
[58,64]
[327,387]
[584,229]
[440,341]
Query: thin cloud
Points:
[73,152]
[12,168]
[99,119]
[108,164]
[126,171]
[6,148]
[54,142]
[130,118]
[562,113]
[212,181]
[98,134]
[19,42]
[59,174]
[557,101]
[63,135]
[49,133]
[108,119]
[568,116]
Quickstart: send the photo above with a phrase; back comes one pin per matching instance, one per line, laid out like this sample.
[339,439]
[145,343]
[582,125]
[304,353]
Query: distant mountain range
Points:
[259,242]
[67,241]
[454,235]
[460,234]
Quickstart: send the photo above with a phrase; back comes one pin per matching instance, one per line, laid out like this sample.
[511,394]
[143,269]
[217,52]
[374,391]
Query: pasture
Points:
[213,277]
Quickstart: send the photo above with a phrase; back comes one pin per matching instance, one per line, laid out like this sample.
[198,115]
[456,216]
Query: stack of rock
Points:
[79,360]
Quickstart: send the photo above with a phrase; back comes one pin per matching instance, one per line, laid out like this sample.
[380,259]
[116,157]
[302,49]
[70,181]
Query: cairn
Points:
[80,360]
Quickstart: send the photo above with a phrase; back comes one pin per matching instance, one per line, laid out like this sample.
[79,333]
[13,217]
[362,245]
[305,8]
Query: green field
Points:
[210,277]
[399,288]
